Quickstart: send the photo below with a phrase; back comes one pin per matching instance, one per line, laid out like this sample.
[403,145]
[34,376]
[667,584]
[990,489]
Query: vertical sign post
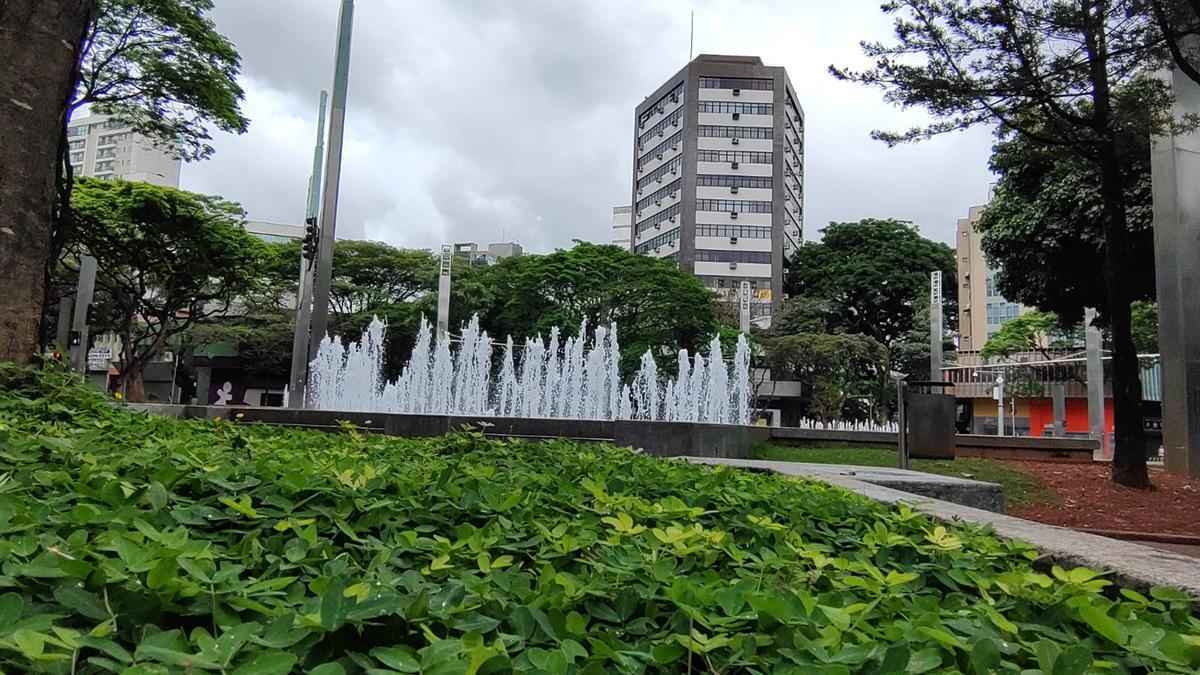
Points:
[300,336]
[744,307]
[1095,379]
[935,326]
[443,312]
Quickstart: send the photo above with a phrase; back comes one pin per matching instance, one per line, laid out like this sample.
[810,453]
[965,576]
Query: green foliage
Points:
[166,259]
[653,303]
[149,545]
[1144,323]
[869,275]
[1030,332]
[830,368]
[1043,229]
[161,66]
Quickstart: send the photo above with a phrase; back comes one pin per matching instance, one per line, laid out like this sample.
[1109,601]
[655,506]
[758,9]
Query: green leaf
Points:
[82,601]
[331,668]
[667,653]
[1102,623]
[399,658]
[333,604]
[11,606]
[268,663]
[895,659]
[1075,660]
[985,656]
[925,660]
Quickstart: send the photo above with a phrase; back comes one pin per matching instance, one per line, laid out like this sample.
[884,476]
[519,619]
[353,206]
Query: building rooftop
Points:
[730,58]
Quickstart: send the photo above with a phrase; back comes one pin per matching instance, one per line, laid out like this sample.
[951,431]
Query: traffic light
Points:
[90,314]
[312,236]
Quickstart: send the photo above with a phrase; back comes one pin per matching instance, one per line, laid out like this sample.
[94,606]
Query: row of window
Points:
[728,282]
[710,180]
[671,165]
[113,138]
[672,120]
[739,231]
[659,194]
[991,287]
[72,132]
[1000,312]
[712,131]
[654,152]
[105,153]
[660,217]
[735,107]
[733,205]
[77,145]
[101,167]
[76,157]
[670,97]
[668,237]
[737,83]
[740,156]
[708,255]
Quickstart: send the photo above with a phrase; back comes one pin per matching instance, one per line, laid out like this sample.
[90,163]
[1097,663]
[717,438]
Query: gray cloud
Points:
[477,120]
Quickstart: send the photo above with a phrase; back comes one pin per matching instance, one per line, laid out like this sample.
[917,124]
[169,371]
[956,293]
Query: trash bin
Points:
[930,416]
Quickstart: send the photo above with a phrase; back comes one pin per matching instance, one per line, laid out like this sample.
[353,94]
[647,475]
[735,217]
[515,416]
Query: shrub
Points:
[142,545]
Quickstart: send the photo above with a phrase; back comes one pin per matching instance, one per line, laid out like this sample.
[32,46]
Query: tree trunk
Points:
[133,384]
[1129,453]
[39,49]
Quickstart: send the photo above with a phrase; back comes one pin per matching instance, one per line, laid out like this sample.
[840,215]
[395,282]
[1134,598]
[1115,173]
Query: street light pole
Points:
[333,175]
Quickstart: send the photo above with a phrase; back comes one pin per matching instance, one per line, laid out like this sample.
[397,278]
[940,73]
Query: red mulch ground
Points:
[1087,498]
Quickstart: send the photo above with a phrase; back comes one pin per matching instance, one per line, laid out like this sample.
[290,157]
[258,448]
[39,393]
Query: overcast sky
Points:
[480,120]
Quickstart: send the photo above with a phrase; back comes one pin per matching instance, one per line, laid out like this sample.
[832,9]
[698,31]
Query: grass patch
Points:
[145,546]
[1020,488]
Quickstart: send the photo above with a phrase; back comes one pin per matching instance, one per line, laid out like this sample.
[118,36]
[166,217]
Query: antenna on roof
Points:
[692,36]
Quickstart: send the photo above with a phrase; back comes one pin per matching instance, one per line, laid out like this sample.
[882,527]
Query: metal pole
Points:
[79,325]
[901,425]
[1000,402]
[63,333]
[298,382]
[1095,379]
[935,326]
[443,305]
[333,174]
[744,307]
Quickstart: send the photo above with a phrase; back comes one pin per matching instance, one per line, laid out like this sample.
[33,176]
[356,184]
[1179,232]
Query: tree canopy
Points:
[1043,230]
[830,368]
[167,259]
[866,277]
[161,66]
[1061,73]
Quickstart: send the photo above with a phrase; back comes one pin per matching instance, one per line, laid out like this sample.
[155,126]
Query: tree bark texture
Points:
[39,50]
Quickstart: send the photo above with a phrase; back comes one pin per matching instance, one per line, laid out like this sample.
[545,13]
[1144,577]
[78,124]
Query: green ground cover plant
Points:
[142,545]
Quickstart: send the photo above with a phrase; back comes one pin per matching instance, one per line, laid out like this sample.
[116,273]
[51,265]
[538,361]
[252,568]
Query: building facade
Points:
[981,308]
[622,222]
[489,256]
[105,147]
[718,175]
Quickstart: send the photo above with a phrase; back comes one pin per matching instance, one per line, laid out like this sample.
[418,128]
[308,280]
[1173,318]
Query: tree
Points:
[39,55]
[160,66]
[1059,72]
[654,304]
[1043,229]
[869,274]
[1034,331]
[1179,23]
[830,368]
[167,260]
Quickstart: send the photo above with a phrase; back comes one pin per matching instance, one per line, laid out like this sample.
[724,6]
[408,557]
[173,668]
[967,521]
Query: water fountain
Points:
[575,378]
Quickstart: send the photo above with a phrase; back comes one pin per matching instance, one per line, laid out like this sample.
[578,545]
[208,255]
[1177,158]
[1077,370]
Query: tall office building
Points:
[105,147]
[981,308]
[718,174]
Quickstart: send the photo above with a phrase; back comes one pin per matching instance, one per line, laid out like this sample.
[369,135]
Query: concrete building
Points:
[981,308]
[622,222]
[493,253]
[104,147]
[274,233]
[718,174]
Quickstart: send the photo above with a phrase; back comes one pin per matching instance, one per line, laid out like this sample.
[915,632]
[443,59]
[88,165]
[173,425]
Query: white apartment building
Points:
[718,180]
[622,217]
[104,147]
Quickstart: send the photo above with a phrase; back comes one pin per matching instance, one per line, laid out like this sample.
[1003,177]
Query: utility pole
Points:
[298,384]
[78,338]
[999,395]
[333,174]
[935,326]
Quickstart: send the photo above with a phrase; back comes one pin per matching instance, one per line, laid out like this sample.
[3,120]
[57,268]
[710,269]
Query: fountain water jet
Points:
[571,378]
